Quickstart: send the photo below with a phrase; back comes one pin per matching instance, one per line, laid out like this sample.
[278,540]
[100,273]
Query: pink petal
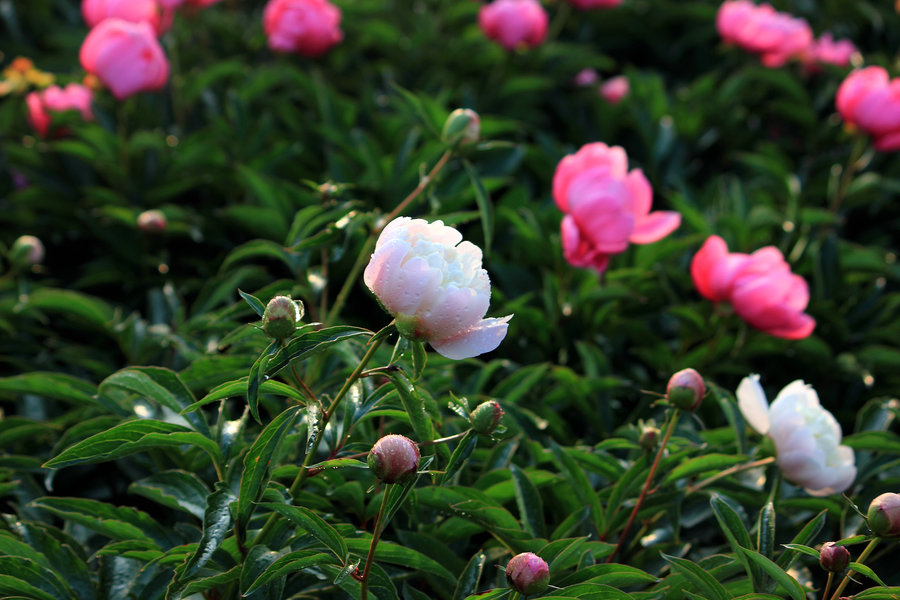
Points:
[483,337]
[655,227]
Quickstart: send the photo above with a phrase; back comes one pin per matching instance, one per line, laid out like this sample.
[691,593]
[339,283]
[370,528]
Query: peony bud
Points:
[834,558]
[649,438]
[281,317]
[26,251]
[462,127]
[394,458]
[686,389]
[884,515]
[486,417]
[528,573]
[152,221]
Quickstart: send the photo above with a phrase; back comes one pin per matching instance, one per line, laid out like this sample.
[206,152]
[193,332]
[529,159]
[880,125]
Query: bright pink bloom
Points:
[135,11]
[126,57]
[307,27]
[606,206]
[589,4]
[56,99]
[870,100]
[585,77]
[614,90]
[827,50]
[514,23]
[775,36]
[760,286]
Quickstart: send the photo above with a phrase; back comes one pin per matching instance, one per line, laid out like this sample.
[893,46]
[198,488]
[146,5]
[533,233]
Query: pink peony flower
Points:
[827,50]
[56,99]
[433,284]
[528,573]
[615,90]
[606,206]
[514,23]
[775,36]
[126,57]
[760,286]
[585,77]
[589,4]
[307,27]
[870,100]
[135,11]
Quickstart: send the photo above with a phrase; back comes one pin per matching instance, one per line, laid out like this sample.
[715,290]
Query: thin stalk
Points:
[862,557]
[423,183]
[730,471]
[376,535]
[449,438]
[828,584]
[673,419]
[298,381]
[847,173]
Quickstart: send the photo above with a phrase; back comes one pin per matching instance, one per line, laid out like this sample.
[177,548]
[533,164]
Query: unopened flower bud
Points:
[281,317]
[686,389]
[884,515]
[26,251]
[462,127]
[834,558]
[394,458]
[486,417]
[528,573]
[649,438]
[152,221]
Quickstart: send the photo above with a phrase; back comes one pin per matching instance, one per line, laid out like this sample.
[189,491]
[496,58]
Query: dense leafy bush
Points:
[156,443]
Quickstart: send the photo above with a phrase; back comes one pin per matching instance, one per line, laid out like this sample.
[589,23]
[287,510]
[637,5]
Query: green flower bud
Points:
[394,458]
[281,317]
[26,251]
[686,389]
[462,127]
[486,417]
[649,438]
[884,515]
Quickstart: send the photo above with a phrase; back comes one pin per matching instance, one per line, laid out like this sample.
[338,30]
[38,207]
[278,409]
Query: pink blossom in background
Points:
[827,50]
[56,99]
[585,77]
[202,3]
[589,4]
[870,100]
[615,89]
[760,286]
[514,23]
[307,27]
[126,57]
[96,11]
[777,37]
[606,206]
[169,4]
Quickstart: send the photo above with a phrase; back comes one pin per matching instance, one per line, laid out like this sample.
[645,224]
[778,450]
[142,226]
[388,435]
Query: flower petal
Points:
[655,226]
[483,337]
[753,404]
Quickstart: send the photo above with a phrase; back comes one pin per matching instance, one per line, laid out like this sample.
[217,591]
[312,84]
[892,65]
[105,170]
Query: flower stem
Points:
[673,419]
[862,557]
[376,535]
[423,183]
[730,471]
[449,438]
[299,383]
[847,173]
[828,584]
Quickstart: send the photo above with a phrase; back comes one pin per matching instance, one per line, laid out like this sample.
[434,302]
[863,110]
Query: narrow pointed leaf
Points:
[312,342]
[256,377]
[468,581]
[255,303]
[314,525]
[528,500]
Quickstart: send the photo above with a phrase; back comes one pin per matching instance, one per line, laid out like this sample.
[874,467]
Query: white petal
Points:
[753,404]
[483,337]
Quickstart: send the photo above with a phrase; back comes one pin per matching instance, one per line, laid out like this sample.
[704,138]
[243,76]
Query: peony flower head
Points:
[306,27]
[615,89]
[832,52]
[777,37]
[433,284]
[126,57]
[528,573]
[135,11]
[606,206]
[56,99]
[760,286]
[514,23]
[394,458]
[869,99]
[807,437]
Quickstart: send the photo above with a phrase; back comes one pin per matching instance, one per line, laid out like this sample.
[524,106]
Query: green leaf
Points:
[205,583]
[258,461]
[258,560]
[702,464]
[803,549]
[216,525]
[255,303]
[765,531]
[460,454]
[737,535]
[420,358]
[160,385]
[705,583]
[485,207]
[580,484]
[41,577]
[129,438]
[256,377]
[239,388]
[13,587]
[312,342]
[804,537]
[491,595]
[116,522]
[868,572]
[288,564]
[414,406]
[88,308]
[612,574]
[389,552]
[528,500]
[338,463]
[468,580]
[874,441]
[57,386]
[314,525]
[790,585]
[878,593]
[178,490]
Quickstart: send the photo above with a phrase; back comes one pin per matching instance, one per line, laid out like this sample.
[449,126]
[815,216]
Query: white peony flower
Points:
[807,437]
[433,284]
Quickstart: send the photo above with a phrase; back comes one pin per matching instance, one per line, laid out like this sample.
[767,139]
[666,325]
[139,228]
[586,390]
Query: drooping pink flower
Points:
[307,27]
[589,4]
[126,57]
[827,50]
[514,23]
[433,283]
[615,89]
[56,99]
[135,11]
[606,206]
[777,37]
[870,100]
[760,286]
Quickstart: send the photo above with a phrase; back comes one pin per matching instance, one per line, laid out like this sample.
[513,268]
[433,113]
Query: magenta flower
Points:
[514,23]
[870,100]
[760,286]
[775,36]
[306,27]
[56,99]
[615,89]
[134,11]
[606,206]
[126,57]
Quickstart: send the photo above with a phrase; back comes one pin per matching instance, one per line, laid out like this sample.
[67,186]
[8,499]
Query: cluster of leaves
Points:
[156,444]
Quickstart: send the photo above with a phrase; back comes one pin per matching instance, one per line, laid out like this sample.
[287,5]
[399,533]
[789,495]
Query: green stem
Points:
[862,557]
[298,381]
[730,471]
[423,183]
[848,172]
[828,585]
[673,419]
[376,535]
